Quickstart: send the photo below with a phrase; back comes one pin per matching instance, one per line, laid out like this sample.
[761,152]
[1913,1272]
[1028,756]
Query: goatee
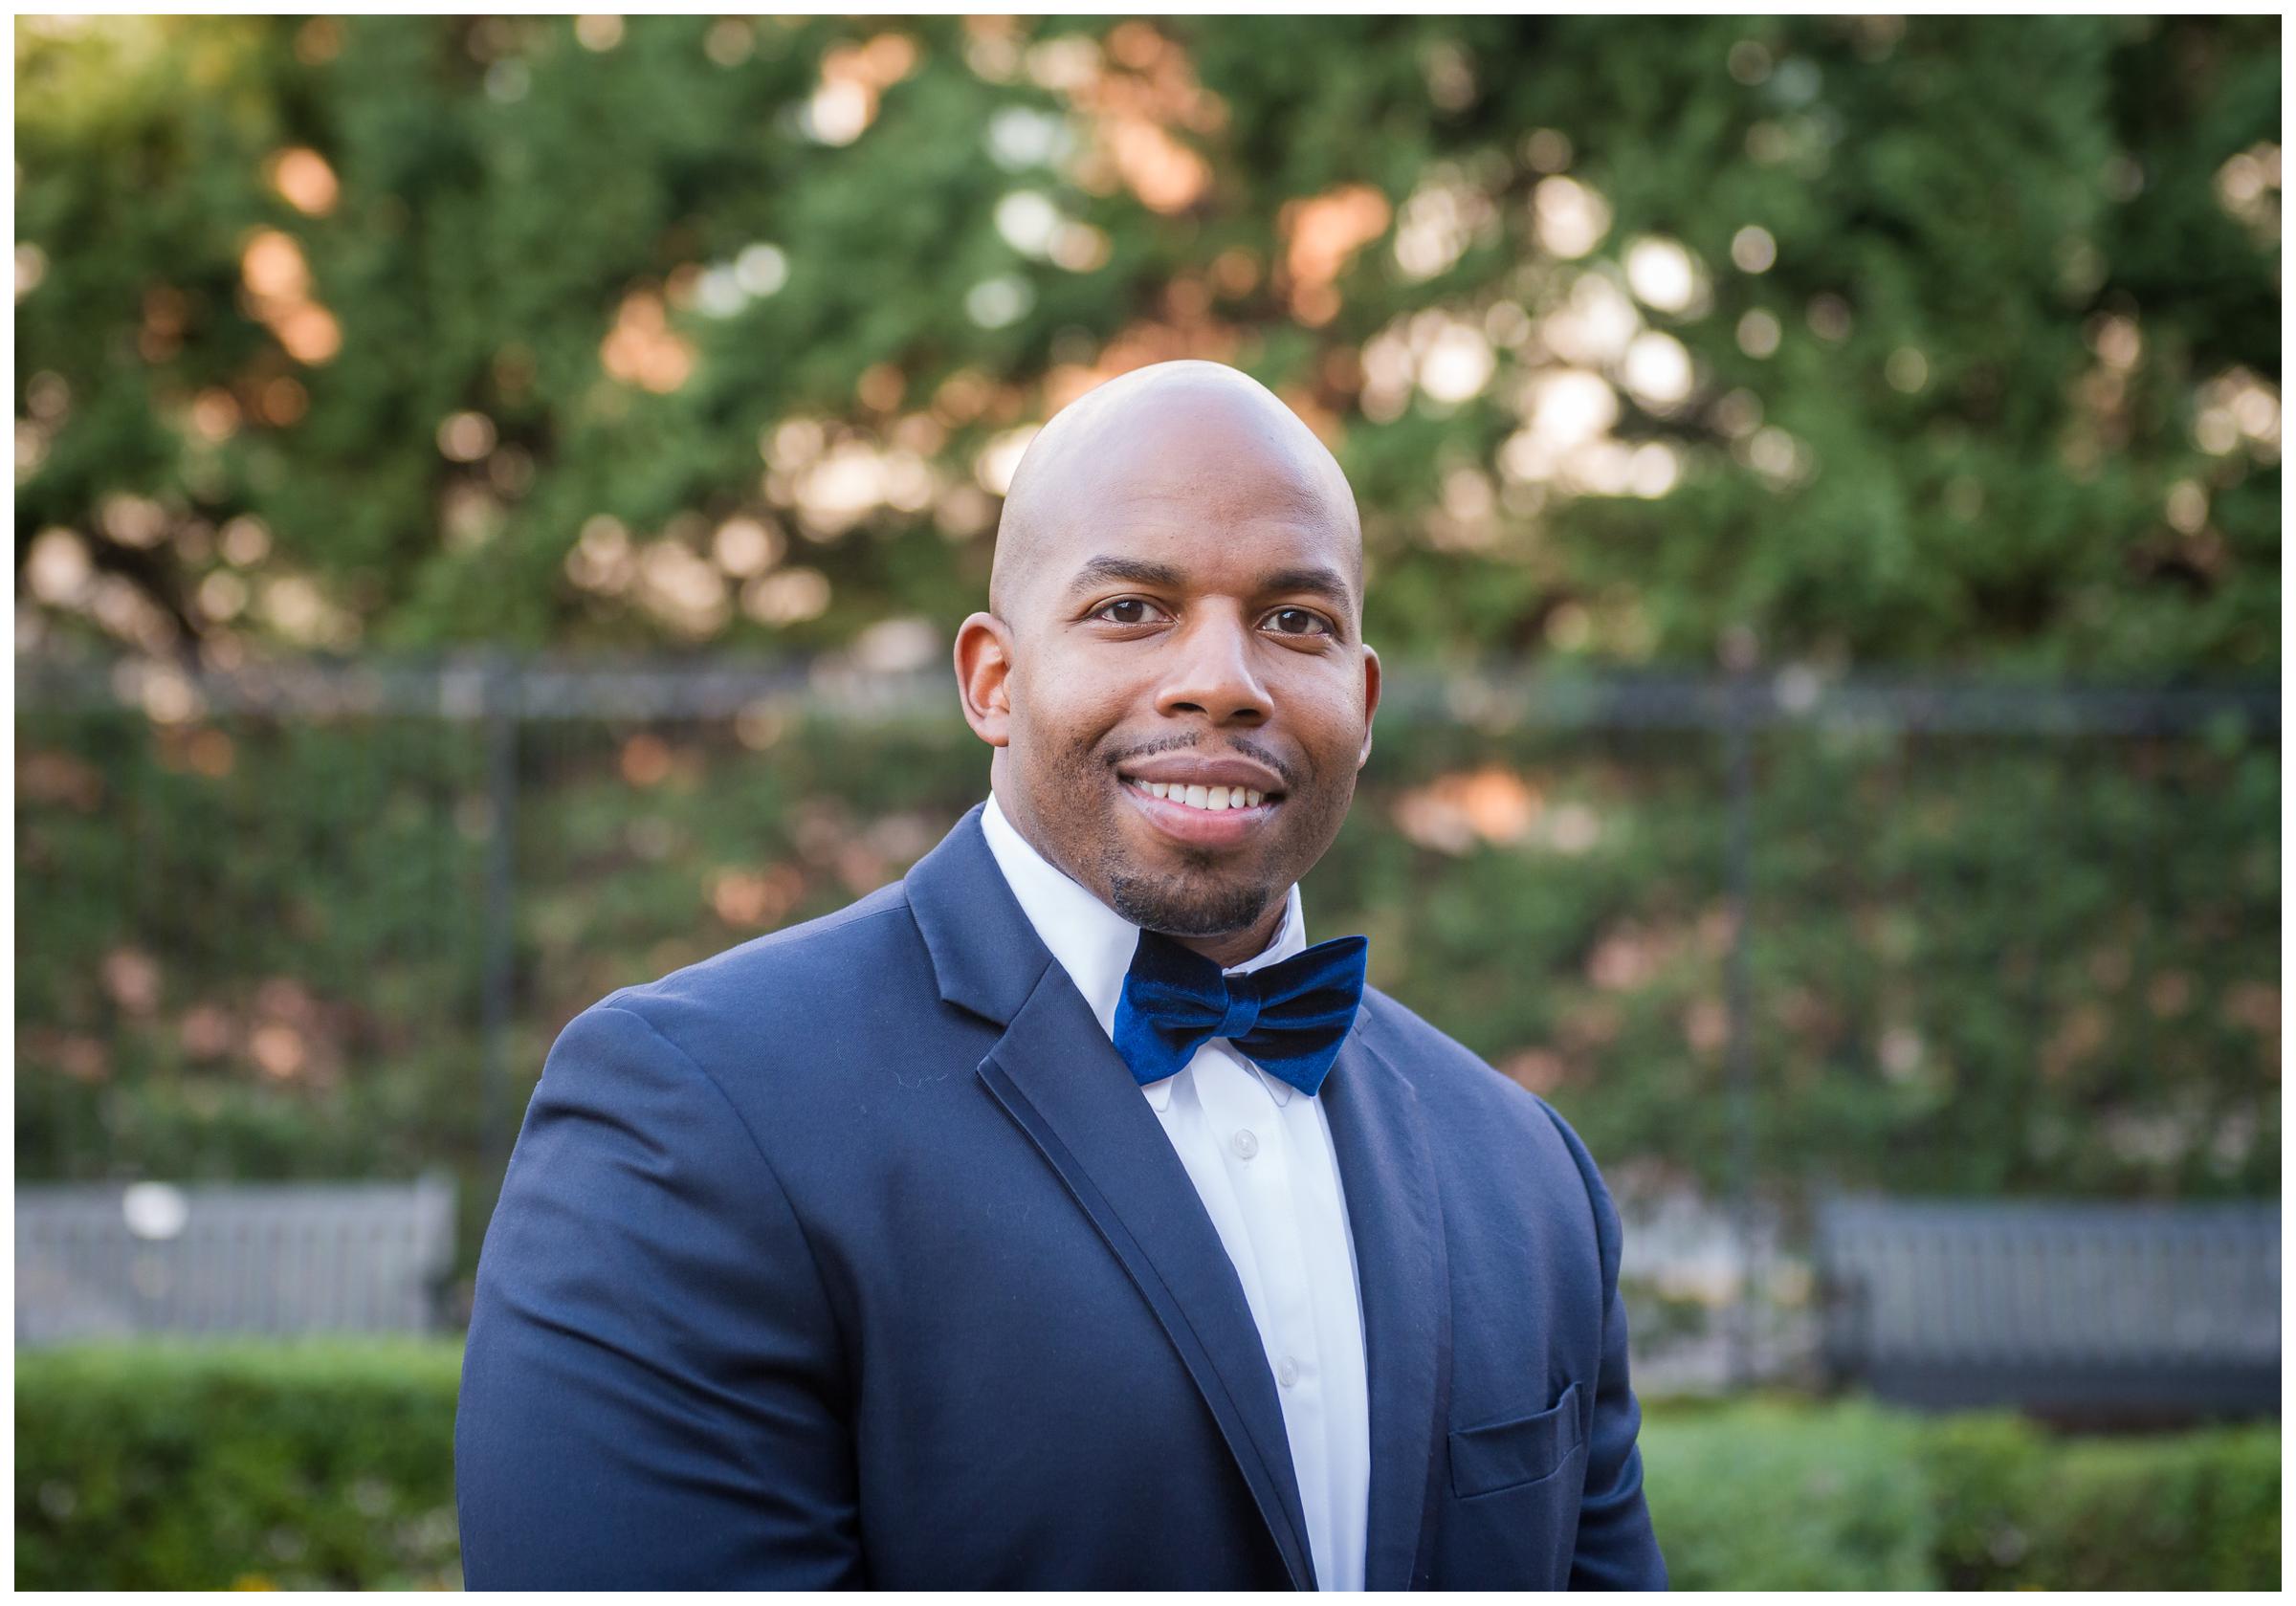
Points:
[1213,910]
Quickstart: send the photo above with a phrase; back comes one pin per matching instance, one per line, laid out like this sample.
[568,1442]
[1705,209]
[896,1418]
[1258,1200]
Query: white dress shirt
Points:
[1260,1154]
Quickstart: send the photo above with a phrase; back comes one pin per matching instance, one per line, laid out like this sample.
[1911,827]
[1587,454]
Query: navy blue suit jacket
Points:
[853,1256]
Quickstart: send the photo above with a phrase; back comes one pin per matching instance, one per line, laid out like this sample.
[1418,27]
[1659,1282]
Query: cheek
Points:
[1062,714]
[1331,731]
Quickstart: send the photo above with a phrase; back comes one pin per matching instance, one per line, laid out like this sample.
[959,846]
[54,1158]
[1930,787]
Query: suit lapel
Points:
[1060,1079]
[1386,1166]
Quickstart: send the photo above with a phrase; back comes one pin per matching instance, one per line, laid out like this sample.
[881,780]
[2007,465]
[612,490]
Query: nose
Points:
[1209,671]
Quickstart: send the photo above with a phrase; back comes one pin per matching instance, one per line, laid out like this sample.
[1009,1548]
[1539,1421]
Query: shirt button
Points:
[1288,1373]
[1246,1145]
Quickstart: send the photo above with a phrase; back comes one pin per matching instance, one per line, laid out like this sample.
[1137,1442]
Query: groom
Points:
[1059,1216]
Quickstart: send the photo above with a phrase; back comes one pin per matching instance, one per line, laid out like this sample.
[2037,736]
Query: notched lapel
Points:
[1387,1167]
[1060,1078]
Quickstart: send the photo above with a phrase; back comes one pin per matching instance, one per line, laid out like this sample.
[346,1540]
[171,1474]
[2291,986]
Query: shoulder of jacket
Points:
[868,925]
[1464,1090]
[793,975]
[1447,1070]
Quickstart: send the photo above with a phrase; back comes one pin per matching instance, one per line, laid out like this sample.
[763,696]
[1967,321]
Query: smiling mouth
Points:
[1212,800]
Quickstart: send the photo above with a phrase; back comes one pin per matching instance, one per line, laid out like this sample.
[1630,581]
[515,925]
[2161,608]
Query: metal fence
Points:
[474,743]
[98,1262]
[2079,1308]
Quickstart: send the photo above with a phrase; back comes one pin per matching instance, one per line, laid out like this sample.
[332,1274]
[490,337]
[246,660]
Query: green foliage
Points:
[306,895]
[1993,381]
[1770,1495]
[329,1464]
[402,331]
[1978,965]
[409,330]
[317,1466]
[2199,1511]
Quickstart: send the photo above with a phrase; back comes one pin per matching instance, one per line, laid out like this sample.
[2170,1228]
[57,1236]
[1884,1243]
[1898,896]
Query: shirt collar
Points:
[1092,941]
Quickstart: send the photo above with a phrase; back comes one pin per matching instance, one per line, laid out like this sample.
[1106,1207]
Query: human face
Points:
[1189,634]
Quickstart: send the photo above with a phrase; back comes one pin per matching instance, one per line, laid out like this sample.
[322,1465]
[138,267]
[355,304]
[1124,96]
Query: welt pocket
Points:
[1502,1455]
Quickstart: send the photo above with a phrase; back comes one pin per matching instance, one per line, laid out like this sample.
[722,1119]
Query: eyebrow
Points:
[1099,571]
[1316,580]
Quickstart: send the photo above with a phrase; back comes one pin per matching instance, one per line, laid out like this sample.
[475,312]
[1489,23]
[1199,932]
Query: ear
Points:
[1371,701]
[984,671]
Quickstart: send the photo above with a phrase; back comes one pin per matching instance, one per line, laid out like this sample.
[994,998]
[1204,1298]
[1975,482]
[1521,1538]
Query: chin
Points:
[1178,911]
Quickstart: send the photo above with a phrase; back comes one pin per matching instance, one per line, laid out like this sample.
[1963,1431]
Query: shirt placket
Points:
[1260,1162]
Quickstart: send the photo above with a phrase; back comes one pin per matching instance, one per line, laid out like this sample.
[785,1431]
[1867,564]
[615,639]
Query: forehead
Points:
[1204,488]
[1182,543]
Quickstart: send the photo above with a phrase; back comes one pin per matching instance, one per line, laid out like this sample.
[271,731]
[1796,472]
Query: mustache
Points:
[1243,746]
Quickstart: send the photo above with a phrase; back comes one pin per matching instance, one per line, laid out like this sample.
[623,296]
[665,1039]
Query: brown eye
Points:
[1116,612]
[1298,622]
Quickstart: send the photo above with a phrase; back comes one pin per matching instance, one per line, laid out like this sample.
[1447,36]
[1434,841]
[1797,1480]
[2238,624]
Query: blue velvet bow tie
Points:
[1288,1018]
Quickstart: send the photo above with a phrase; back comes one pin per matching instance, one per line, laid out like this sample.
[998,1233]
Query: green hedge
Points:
[2197,1511]
[331,1465]
[1778,1494]
[246,1465]
[1785,1496]
[1977,966]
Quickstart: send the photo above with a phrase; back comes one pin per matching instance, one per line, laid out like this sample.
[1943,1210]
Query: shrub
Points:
[207,1465]
[2188,1511]
[1785,1494]
[1774,1495]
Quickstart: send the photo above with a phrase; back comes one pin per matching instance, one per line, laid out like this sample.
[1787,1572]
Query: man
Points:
[1057,1215]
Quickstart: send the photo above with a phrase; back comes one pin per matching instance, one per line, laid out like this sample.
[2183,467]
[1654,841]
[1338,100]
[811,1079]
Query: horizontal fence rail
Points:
[546,687]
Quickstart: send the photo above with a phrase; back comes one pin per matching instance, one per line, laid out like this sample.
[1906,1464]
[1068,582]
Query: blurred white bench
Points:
[113,1261]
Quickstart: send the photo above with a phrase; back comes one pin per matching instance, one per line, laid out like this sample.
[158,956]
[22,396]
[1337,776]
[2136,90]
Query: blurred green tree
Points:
[1943,343]
[1940,342]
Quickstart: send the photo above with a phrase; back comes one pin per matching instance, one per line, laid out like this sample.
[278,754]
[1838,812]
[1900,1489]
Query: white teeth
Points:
[1210,799]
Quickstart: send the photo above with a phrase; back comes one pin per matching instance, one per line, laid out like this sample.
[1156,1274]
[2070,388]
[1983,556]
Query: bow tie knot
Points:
[1243,1009]
[1288,1018]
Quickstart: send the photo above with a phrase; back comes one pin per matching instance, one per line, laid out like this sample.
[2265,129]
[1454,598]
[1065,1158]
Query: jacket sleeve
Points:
[653,1390]
[1616,1546]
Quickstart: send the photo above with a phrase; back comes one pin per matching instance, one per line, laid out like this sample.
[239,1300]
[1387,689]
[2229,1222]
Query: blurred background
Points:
[494,498]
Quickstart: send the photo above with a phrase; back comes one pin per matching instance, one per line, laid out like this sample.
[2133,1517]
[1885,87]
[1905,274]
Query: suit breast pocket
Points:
[1505,1455]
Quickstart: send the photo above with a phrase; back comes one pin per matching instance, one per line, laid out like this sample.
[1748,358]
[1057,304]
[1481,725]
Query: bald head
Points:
[1197,440]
